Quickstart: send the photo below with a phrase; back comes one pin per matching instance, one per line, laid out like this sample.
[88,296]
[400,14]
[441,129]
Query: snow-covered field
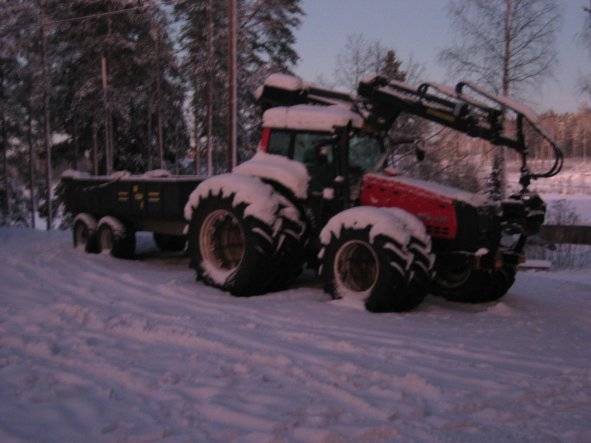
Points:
[98,349]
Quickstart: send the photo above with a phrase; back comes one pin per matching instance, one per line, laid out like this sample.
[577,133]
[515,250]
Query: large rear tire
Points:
[292,243]
[229,246]
[474,286]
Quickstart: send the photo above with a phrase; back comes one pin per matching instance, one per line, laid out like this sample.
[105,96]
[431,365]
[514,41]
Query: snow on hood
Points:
[311,117]
[436,188]
[289,173]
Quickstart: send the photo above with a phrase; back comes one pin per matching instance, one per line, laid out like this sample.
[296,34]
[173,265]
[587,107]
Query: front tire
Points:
[475,286]
[374,271]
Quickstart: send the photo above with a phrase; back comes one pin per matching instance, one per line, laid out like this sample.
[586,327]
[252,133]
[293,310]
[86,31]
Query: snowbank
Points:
[98,349]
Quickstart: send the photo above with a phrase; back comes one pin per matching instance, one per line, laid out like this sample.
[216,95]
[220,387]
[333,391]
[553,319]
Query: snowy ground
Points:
[98,349]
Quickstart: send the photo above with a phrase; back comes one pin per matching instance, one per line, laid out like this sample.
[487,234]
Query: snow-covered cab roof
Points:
[284,82]
[311,118]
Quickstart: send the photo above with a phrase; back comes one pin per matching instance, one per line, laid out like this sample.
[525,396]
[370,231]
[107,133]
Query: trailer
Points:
[108,210]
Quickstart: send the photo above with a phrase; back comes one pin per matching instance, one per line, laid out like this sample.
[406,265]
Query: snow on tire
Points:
[115,238]
[84,231]
[420,246]
[365,256]
[233,226]
[291,244]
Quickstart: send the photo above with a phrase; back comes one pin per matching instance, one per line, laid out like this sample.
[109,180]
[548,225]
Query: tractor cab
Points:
[329,140]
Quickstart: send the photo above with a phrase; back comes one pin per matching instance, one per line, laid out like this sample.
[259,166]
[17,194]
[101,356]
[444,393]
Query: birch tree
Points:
[586,40]
[507,45]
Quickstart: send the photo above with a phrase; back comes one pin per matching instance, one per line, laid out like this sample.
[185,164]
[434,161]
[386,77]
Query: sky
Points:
[419,29]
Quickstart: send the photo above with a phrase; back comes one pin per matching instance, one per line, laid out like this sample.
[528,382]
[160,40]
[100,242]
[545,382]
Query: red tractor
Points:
[316,194]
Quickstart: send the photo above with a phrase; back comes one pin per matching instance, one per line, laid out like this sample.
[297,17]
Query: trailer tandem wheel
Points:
[115,238]
[84,232]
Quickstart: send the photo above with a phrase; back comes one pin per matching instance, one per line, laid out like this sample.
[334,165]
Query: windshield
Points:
[365,153]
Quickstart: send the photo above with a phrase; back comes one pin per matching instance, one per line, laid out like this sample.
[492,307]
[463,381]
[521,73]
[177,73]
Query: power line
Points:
[137,8]
[98,15]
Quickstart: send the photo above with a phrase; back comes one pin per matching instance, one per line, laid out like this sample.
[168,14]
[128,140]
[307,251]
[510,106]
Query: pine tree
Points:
[139,56]
[265,45]
[391,67]
[14,85]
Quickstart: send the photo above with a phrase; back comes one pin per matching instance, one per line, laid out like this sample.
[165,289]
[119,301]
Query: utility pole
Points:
[94,147]
[210,72]
[76,145]
[107,103]
[31,162]
[105,82]
[46,122]
[149,131]
[7,208]
[233,83]
[159,99]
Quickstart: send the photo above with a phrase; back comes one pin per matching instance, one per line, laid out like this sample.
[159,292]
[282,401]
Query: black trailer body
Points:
[140,203]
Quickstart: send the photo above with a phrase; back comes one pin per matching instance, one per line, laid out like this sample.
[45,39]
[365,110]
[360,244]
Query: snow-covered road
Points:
[98,349]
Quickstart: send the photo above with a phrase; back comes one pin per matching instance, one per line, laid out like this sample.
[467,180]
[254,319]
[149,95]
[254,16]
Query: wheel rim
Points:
[356,268]
[221,241]
[454,277]
[81,235]
[106,240]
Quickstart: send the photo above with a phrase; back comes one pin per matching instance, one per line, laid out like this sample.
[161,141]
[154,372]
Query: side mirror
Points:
[420,154]
[322,150]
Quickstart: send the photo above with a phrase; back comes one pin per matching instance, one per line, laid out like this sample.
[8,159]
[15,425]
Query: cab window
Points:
[317,159]
[279,143]
[305,147]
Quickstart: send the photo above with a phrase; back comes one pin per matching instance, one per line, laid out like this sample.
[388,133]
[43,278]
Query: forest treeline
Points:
[130,77]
